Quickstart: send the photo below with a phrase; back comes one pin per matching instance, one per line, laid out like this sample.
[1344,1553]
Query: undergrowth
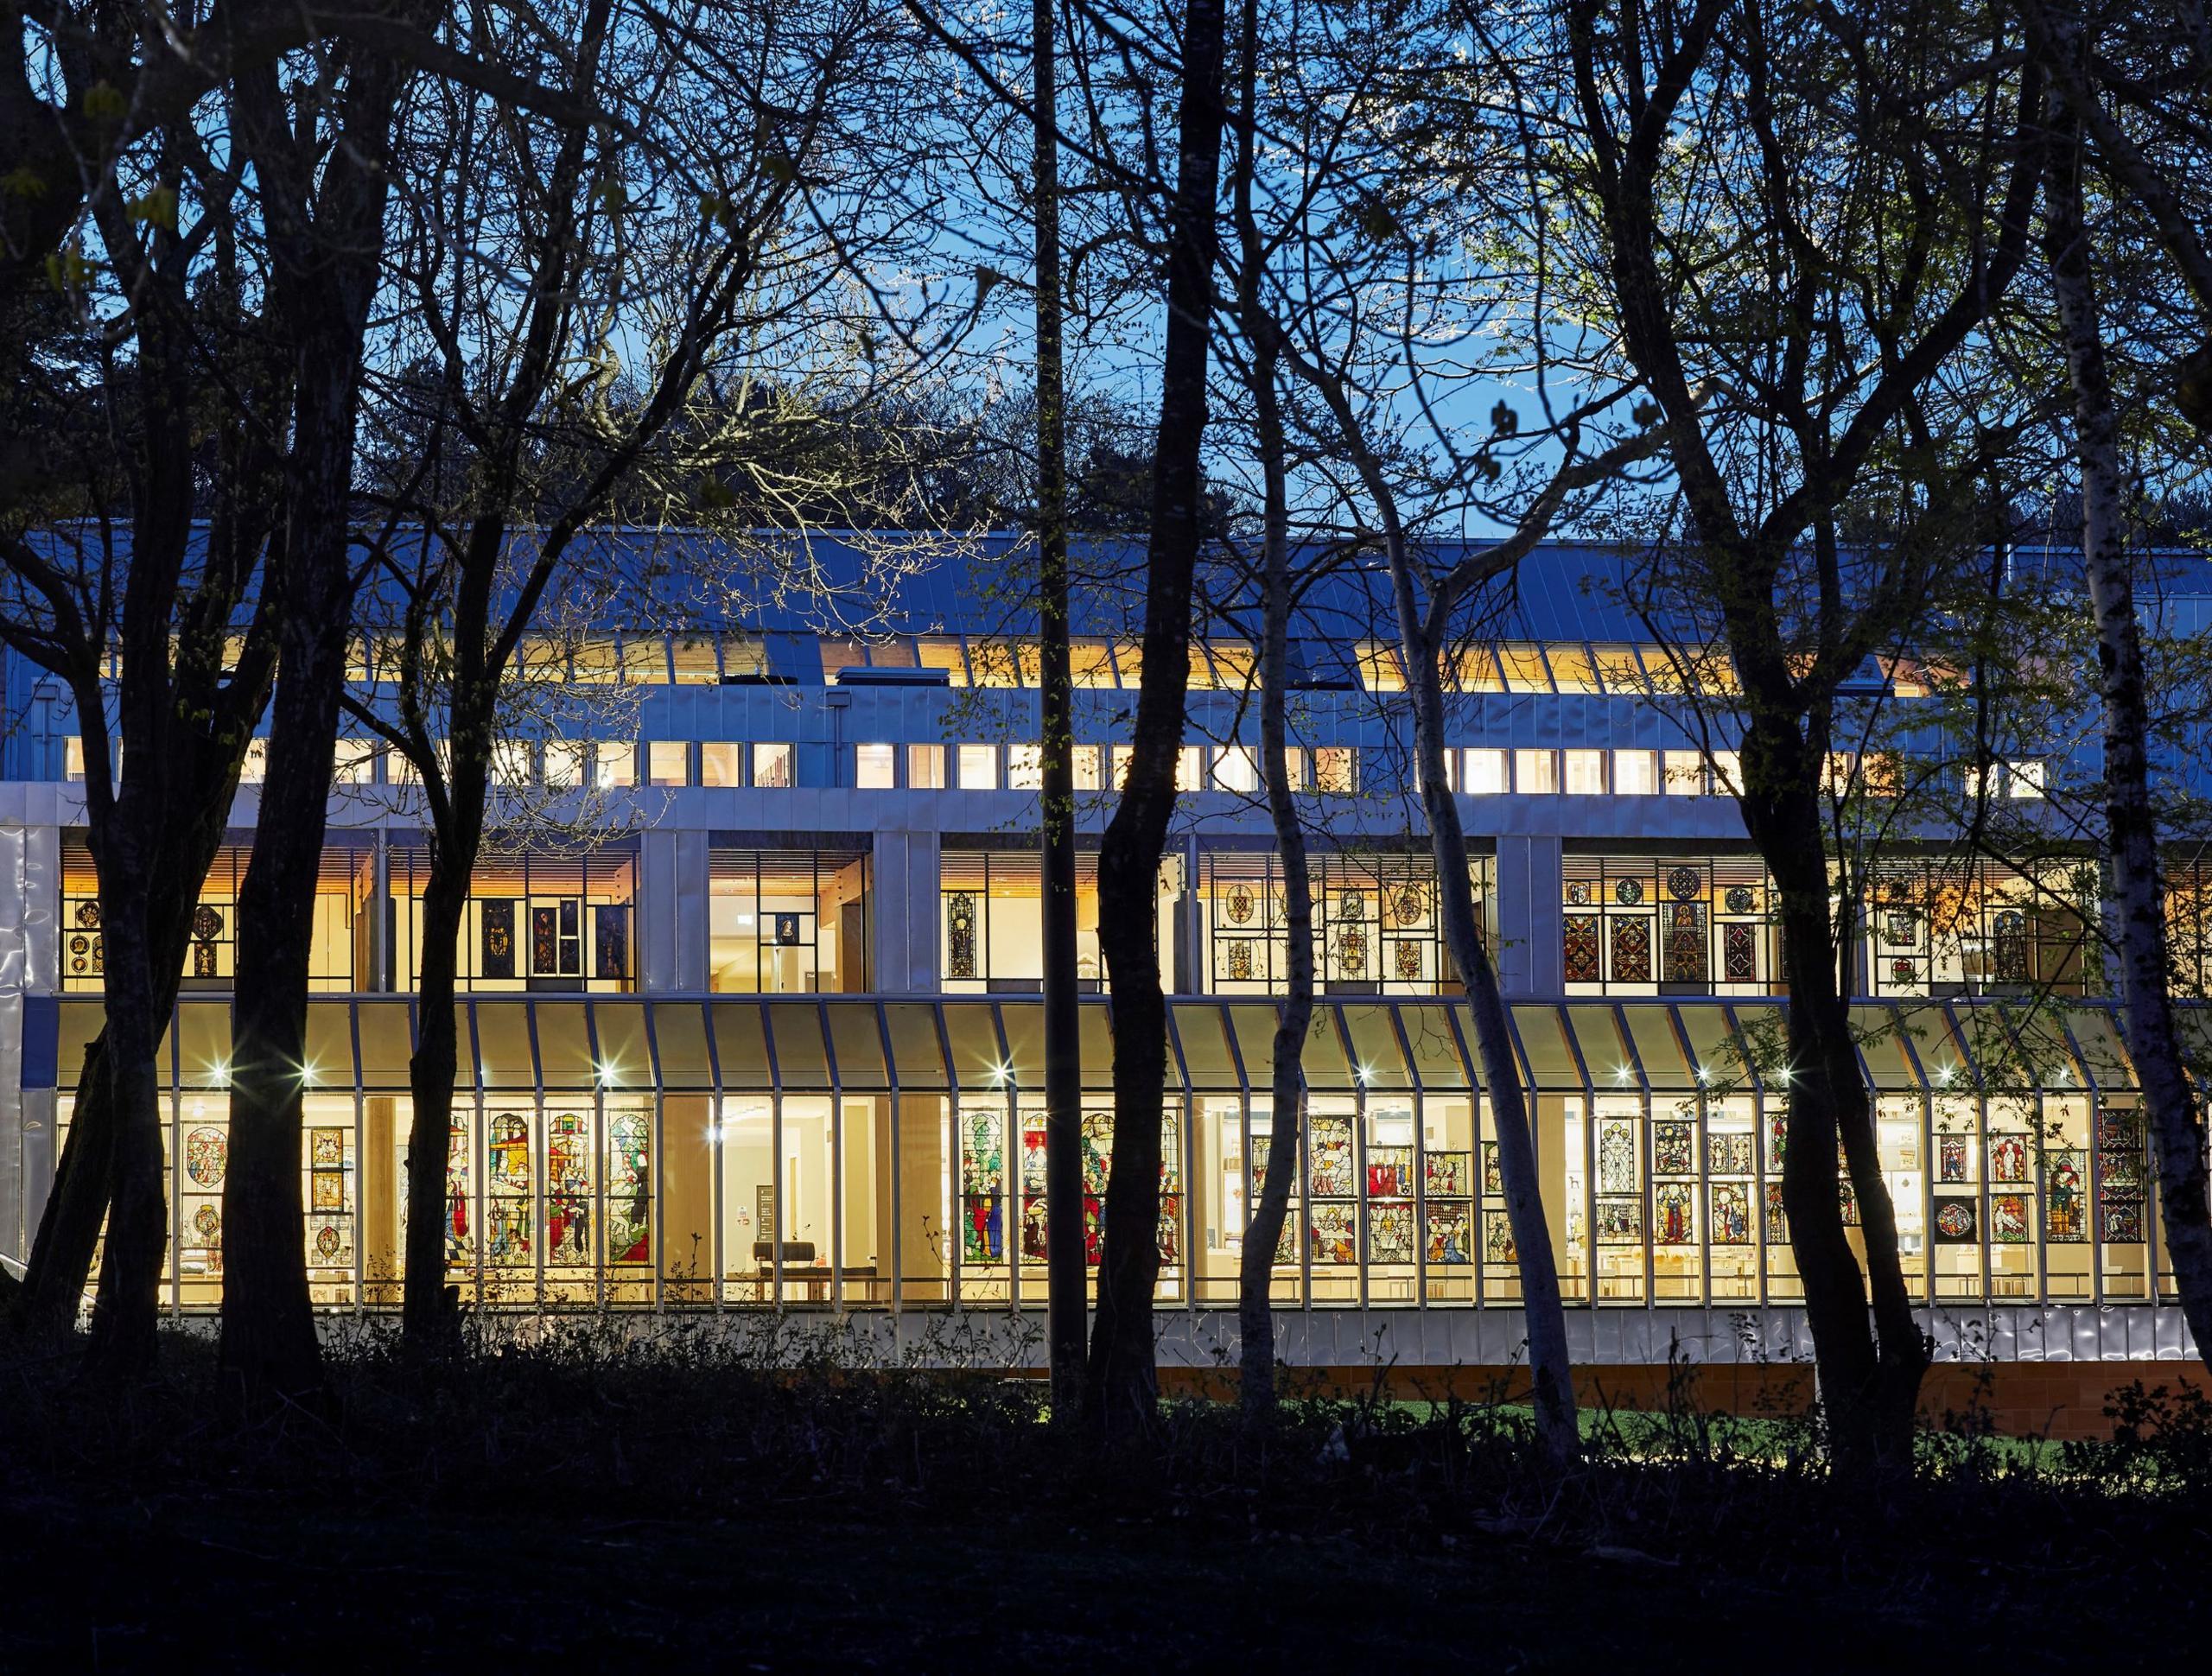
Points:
[687,1418]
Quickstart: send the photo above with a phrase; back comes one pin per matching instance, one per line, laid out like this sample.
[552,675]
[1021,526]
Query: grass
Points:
[607,1503]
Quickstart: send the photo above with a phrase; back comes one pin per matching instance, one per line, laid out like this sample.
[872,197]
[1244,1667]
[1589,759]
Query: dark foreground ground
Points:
[556,1515]
[190,1586]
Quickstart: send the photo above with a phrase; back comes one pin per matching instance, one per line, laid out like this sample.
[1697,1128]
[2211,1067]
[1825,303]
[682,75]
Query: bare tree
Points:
[696,259]
[2086,138]
[1067,1266]
[1124,1385]
[157,423]
[1825,382]
[319,151]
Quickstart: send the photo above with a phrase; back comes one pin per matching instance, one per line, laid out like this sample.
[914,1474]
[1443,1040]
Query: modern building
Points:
[760,1028]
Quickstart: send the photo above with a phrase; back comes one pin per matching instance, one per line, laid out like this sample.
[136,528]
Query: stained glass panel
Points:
[1685,944]
[1330,1160]
[1449,1175]
[1578,948]
[1777,1217]
[1673,1147]
[1498,1240]
[1730,1212]
[506,1188]
[960,914]
[2008,1218]
[1616,1155]
[1390,1172]
[1631,951]
[2008,1158]
[1955,1221]
[2065,1201]
[1450,1242]
[1620,1221]
[1728,1154]
[629,1187]
[1335,1232]
[1390,1232]
[1672,1221]
[1739,953]
[1951,1158]
[567,1187]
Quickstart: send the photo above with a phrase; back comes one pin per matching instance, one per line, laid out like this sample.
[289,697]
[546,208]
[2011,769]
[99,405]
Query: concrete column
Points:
[40,921]
[656,914]
[905,912]
[1525,916]
[672,911]
[693,931]
[380,915]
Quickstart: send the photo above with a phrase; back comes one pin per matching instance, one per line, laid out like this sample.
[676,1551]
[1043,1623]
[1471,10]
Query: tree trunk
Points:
[1124,1390]
[45,1305]
[2131,818]
[326,242]
[1067,1268]
[269,1339]
[1550,1371]
[425,1320]
[1869,1369]
[1286,1096]
[127,1306]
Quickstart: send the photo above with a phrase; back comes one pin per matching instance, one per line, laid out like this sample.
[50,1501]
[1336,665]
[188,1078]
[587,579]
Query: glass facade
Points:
[766,1152]
[533,922]
[1378,929]
[1677,925]
[788,922]
[338,956]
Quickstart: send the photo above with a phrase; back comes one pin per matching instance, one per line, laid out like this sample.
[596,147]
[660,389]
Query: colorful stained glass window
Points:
[1739,953]
[1330,1173]
[1672,1222]
[567,1187]
[1390,1232]
[506,1188]
[1493,1170]
[330,1222]
[1449,1175]
[1578,948]
[2066,1219]
[2120,1222]
[983,1185]
[1673,1147]
[1731,1204]
[1777,1216]
[629,1188]
[1335,1233]
[1728,1154]
[457,1191]
[611,941]
[1390,1172]
[1955,1222]
[1498,1240]
[1685,944]
[1450,1241]
[960,912]
[496,929]
[2008,1218]
[1620,1221]
[2008,1158]
[1950,1157]
[206,1156]
[1616,1155]
[1631,951]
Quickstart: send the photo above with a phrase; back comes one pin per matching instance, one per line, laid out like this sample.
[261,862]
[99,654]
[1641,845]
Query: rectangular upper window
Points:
[875,767]
[773,765]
